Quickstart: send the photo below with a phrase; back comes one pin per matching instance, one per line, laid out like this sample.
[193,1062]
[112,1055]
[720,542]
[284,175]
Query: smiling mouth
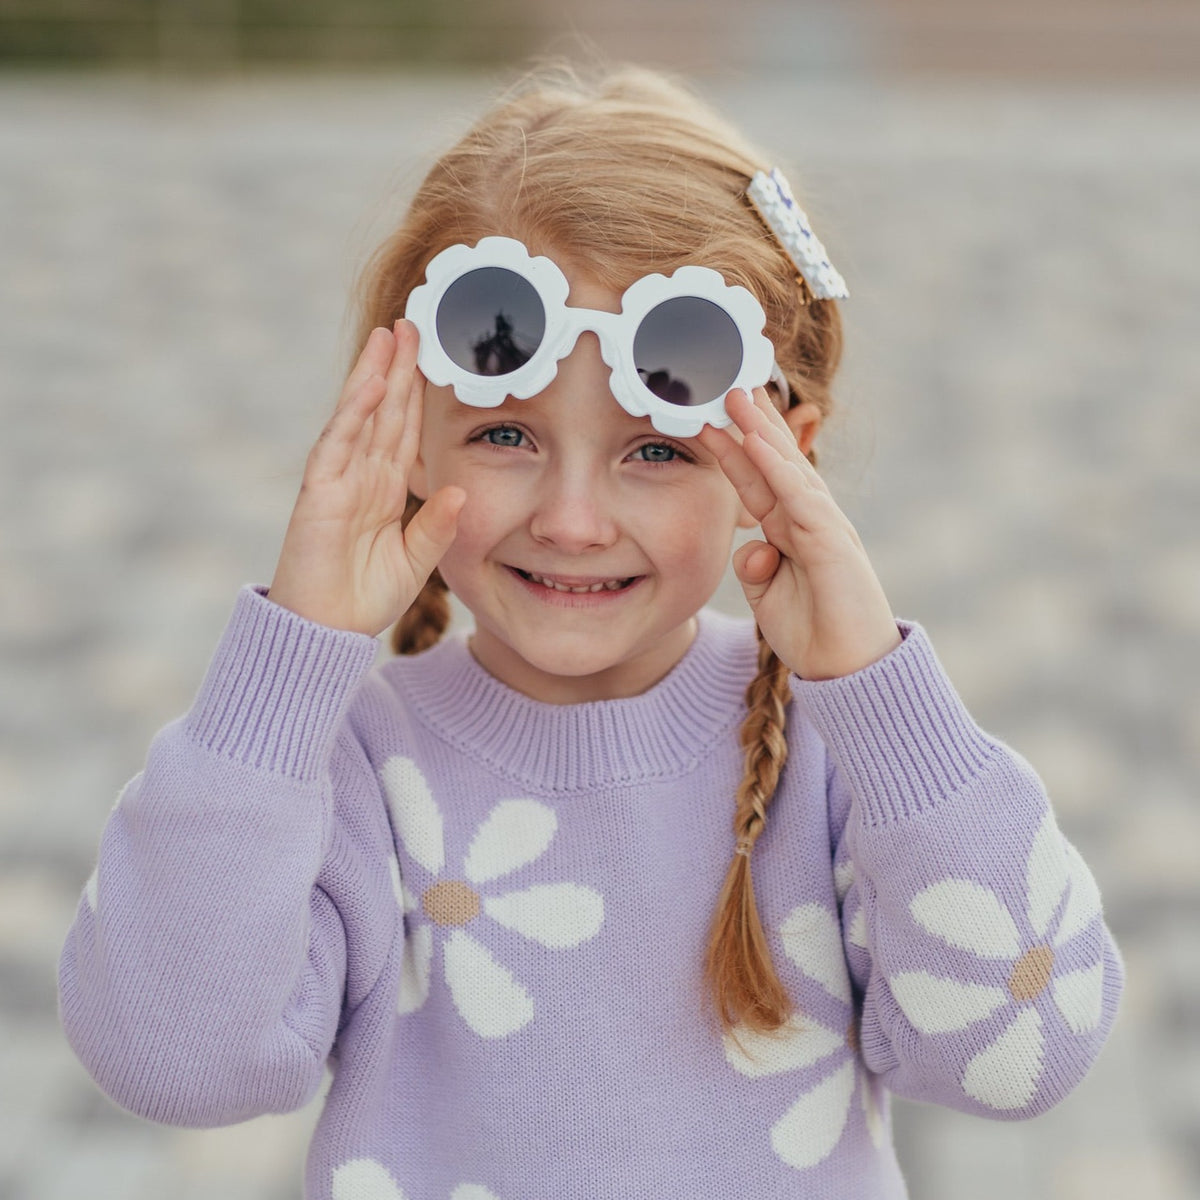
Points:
[615,586]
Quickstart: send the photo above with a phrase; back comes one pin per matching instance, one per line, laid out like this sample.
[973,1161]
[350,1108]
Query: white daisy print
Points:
[367,1179]
[516,832]
[807,1133]
[969,916]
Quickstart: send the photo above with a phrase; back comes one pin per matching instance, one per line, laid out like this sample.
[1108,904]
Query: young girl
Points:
[619,896]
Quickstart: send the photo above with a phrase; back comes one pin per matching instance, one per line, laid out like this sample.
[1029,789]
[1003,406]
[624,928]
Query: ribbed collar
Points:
[660,734]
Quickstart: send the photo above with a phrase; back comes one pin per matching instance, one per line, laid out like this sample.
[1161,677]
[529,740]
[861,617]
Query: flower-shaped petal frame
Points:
[564,323]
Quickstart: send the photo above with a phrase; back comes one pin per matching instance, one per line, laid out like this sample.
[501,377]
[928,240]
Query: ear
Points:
[804,420]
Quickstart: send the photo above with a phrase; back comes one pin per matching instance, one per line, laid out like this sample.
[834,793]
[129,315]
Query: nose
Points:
[573,511]
[575,506]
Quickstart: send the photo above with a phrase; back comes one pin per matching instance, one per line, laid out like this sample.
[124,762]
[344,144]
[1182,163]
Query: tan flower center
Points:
[1031,973]
[450,902]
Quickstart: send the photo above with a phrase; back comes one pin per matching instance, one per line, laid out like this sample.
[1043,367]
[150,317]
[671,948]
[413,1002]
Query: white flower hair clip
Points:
[773,199]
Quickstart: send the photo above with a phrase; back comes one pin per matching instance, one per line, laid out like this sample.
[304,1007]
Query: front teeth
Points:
[613,586]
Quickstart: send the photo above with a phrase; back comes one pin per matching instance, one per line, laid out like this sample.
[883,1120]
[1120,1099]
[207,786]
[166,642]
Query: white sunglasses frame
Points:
[615,331]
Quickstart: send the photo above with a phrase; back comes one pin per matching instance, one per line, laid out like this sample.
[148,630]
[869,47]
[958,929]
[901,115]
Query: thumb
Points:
[755,564]
[429,534]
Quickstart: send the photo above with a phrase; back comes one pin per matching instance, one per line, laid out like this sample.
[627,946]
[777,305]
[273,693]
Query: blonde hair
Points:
[628,173]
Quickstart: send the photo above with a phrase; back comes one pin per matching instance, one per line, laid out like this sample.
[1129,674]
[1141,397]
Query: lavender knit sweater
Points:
[486,916]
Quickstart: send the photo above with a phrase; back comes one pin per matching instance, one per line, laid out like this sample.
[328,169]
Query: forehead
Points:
[544,404]
[588,292]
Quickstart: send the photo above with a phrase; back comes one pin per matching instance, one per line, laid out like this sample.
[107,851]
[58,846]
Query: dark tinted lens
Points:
[688,350]
[491,321]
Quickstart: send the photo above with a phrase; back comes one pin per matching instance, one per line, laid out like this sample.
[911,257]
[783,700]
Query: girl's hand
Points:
[345,561]
[815,597]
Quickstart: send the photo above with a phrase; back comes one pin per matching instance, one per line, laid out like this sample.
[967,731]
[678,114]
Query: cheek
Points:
[694,536]
[484,523]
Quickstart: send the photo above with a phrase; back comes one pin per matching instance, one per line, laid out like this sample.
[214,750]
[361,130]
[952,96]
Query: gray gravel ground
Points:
[1019,418]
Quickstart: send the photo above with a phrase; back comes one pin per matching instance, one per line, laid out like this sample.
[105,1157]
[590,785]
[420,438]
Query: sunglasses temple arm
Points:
[779,379]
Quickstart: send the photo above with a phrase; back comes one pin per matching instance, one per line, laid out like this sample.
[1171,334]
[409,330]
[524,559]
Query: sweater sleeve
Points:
[201,980]
[986,977]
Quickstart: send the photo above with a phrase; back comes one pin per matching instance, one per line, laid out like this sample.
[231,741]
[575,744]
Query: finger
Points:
[336,444]
[756,562]
[374,359]
[754,412]
[363,440]
[410,438]
[429,534]
[759,415]
[763,399]
[743,472]
[807,506]
[392,414]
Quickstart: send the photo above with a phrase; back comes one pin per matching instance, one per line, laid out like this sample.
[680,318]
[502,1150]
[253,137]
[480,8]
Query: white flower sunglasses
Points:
[494,322]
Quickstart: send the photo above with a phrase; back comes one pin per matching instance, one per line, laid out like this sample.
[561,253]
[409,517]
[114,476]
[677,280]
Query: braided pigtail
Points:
[428,617]
[742,980]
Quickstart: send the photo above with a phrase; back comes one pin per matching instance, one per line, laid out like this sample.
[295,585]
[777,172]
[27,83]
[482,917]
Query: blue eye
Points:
[660,462]
[499,429]
[680,454]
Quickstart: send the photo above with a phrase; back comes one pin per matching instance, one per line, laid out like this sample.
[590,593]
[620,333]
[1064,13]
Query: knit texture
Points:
[486,916]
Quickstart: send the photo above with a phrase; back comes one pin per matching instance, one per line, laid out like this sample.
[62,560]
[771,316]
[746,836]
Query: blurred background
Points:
[186,190]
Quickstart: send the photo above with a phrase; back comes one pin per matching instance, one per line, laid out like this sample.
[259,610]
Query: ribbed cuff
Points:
[897,729]
[277,687]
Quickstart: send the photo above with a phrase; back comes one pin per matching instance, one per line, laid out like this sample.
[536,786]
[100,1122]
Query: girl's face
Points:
[567,483]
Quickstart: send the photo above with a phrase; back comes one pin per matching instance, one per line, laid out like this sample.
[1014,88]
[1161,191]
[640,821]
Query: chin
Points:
[567,663]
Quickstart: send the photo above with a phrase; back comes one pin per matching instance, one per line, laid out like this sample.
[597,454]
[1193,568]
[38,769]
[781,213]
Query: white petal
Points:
[407,901]
[937,1005]
[969,916]
[89,888]
[1080,997]
[514,833]
[807,1133]
[1045,874]
[472,1191]
[843,877]
[856,935]
[868,1094]
[414,811]
[1083,902]
[555,914]
[414,969]
[489,999]
[1005,1075]
[364,1179]
[812,939]
[394,875]
[799,1042]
